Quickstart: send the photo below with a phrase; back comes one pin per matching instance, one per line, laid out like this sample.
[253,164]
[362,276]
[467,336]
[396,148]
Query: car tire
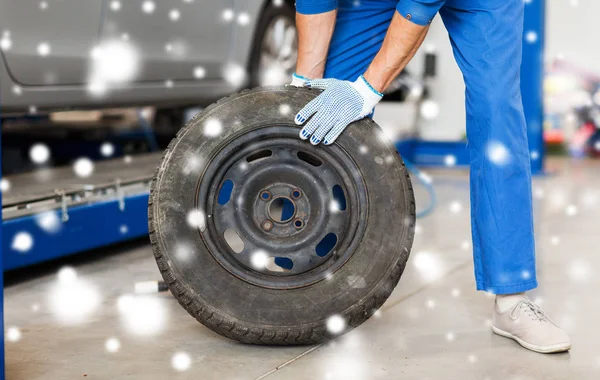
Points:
[350,285]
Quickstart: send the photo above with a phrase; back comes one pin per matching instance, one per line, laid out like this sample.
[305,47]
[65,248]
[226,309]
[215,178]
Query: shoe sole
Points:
[541,349]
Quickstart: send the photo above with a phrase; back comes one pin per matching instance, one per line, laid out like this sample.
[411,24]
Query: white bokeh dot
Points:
[112,345]
[143,315]
[336,324]
[534,155]
[243,19]
[169,83]
[148,6]
[213,127]
[43,49]
[174,14]
[181,361]
[67,275]
[227,14]
[428,265]
[83,167]
[22,242]
[430,109]
[4,185]
[497,153]
[199,72]
[13,334]
[49,221]
[196,219]
[234,74]
[579,271]
[259,259]
[107,149]
[531,36]
[285,109]
[5,41]
[450,160]
[39,153]
[456,207]
[571,210]
[115,5]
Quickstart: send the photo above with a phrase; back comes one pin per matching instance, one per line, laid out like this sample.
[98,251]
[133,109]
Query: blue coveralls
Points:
[486,37]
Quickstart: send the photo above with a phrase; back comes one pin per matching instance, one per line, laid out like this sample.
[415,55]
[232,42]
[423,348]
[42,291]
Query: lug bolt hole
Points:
[298,223]
[265,195]
[296,193]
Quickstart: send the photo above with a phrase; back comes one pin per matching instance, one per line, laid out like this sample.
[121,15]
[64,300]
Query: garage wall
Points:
[567,34]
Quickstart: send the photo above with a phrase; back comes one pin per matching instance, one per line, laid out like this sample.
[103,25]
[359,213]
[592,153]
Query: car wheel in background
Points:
[275,47]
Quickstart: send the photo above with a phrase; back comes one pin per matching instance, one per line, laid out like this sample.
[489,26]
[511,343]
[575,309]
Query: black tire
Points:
[254,314]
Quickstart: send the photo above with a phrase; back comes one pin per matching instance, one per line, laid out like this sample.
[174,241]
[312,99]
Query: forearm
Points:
[401,42]
[314,36]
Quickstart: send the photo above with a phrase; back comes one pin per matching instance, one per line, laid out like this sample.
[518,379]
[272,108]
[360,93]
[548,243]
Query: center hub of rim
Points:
[281,209]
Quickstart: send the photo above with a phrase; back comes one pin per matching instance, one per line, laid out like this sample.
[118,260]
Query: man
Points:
[362,45]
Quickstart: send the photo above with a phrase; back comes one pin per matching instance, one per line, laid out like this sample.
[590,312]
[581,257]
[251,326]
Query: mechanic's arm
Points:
[315,21]
[401,42]
[343,102]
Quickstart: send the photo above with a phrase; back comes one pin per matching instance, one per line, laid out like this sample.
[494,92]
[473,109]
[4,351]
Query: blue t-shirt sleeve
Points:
[311,7]
[420,12]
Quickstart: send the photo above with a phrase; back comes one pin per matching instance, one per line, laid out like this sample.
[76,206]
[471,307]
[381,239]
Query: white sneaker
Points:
[528,324]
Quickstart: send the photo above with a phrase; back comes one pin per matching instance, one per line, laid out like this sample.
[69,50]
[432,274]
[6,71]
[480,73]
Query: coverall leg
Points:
[486,37]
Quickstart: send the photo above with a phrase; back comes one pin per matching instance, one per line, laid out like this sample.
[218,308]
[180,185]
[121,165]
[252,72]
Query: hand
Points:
[340,104]
[298,80]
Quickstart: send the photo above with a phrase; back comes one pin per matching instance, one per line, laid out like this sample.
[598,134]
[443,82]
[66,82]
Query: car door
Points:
[47,43]
[176,40]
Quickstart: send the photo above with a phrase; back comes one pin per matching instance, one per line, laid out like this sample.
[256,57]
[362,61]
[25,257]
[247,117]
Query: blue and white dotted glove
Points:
[340,104]
[298,80]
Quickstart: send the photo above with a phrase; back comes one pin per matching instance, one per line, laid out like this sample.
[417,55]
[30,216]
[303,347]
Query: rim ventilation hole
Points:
[309,158]
[225,192]
[282,209]
[259,156]
[234,240]
[326,244]
[339,197]
[279,264]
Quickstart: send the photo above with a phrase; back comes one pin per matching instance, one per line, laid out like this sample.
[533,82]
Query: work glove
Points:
[298,80]
[340,104]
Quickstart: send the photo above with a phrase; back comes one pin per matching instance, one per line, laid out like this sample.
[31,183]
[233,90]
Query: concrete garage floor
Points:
[435,325]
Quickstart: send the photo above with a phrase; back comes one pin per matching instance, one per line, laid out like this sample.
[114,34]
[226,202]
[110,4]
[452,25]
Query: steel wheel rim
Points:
[281,173]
